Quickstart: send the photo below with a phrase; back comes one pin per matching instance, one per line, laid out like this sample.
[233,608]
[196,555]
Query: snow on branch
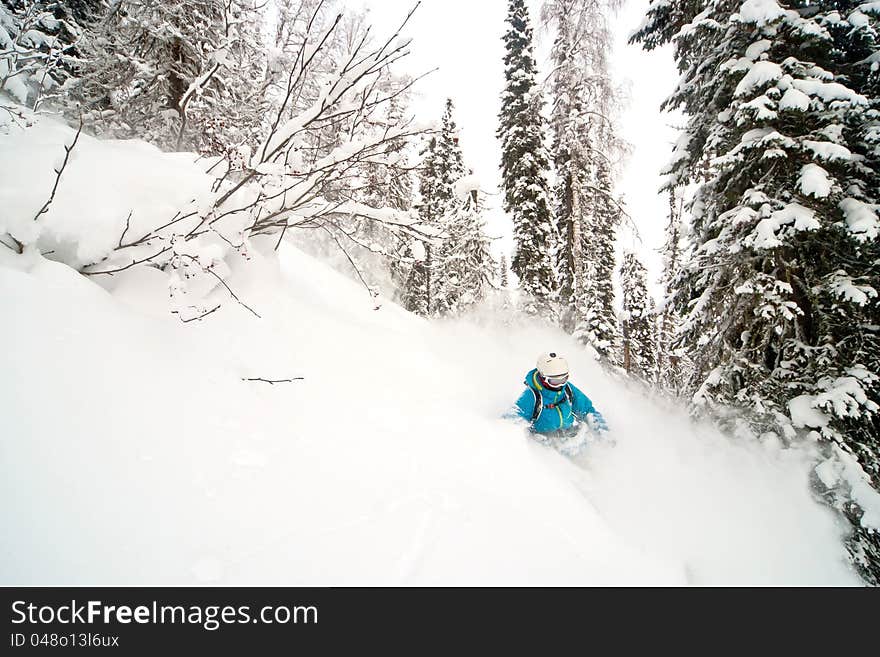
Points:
[329,126]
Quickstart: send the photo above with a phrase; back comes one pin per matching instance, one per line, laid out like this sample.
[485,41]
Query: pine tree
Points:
[455,272]
[447,166]
[418,295]
[672,363]
[448,162]
[779,289]
[442,166]
[639,327]
[524,164]
[599,326]
[462,264]
[467,267]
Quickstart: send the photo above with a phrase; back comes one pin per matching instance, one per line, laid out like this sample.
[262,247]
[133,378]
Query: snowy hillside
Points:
[133,452]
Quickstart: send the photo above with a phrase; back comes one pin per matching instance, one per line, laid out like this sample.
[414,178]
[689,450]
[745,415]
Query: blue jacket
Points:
[561,416]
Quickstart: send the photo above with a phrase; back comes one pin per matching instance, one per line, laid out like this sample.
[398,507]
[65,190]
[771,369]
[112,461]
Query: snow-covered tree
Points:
[448,162]
[524,165]
[418,294]
[639,326]
[291,179]
[585,148]
[778,291]
[185,75]
[467,269]
[598,327]
[456,267]
[672,359]
[39,46]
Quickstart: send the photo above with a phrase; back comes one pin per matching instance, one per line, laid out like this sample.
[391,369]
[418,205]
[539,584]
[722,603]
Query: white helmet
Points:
[553,368]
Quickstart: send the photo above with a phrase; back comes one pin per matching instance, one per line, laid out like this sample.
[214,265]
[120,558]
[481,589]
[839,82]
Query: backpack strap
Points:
[539,401]
[539,404]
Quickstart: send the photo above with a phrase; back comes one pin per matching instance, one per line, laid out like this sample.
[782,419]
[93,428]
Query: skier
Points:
[551,404]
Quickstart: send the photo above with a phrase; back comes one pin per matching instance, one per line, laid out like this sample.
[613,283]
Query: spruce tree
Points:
[672,361]
[524,165]
[418,295]
[778,291]
[468,267]
[442,165]
[455,271]
[448,162]
[599,327]
[463,265]
[639,327]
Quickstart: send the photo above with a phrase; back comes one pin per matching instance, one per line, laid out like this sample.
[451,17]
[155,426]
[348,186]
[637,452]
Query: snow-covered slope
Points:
[133,452]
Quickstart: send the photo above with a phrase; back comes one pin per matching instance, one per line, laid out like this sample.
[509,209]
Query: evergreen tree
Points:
[454,272]
[778,290]
[448,162]
[464,267]
[524,164]
[672,363]
[599,326]
[467,267]
[442,166]
[639,327]
[418,296]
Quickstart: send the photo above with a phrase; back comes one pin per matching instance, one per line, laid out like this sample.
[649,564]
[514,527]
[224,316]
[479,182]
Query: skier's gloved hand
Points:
[597,422]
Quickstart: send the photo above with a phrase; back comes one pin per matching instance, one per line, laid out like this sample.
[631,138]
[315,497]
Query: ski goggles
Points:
[556,381]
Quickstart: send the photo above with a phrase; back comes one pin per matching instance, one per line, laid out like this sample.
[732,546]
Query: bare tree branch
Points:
[67,150]
[354,266]
[127,223]
[273,381]
[222,282]
[18,246]
[192,319]
[119,269]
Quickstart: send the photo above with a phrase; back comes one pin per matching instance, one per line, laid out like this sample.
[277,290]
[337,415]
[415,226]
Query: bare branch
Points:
[223,283]
[127,223]
[354,266]
[67,150]
[192,319]
[18,246]
[273,381]
[155,231]
[119,269]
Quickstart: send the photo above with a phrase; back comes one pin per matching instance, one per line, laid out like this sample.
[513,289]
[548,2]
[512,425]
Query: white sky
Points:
[462,39]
